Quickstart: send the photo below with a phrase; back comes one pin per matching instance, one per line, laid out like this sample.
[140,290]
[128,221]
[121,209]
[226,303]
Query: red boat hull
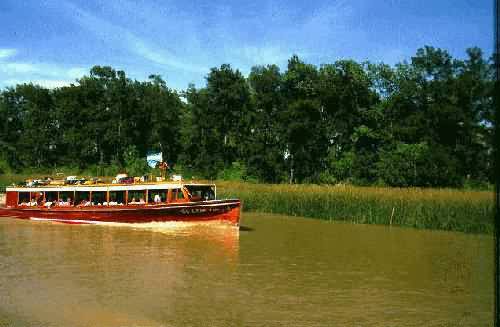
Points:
[216,210]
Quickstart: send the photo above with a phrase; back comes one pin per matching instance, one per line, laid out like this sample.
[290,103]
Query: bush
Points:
[237,172]
[403,164]
[135,165]
[4,167]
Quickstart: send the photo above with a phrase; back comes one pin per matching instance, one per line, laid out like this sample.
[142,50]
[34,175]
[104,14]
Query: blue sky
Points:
[53,42]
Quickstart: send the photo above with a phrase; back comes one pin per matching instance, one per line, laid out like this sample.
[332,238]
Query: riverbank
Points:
[467,211]
[443,209]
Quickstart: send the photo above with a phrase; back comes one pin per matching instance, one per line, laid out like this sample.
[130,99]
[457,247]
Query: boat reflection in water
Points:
[116,274]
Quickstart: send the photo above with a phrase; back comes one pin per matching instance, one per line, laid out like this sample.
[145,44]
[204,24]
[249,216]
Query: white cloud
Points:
[124,38]
[18,68]
[7,53]
[47,83]
[15,68]
[263,55]
[76,72]
[161,57]
[48,75]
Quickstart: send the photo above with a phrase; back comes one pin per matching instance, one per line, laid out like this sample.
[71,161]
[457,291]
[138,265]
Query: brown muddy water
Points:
[275,271]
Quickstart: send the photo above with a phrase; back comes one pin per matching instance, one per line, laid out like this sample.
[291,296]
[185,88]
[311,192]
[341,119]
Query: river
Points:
[274,271]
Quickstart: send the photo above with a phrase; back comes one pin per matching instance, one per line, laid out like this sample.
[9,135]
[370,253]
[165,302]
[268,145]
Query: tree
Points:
[220,117]
[267,148]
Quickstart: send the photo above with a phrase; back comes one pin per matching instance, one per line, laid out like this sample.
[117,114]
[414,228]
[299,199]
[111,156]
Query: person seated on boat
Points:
[33,203]
[113,203]
[88,203]
[48,204]
[84,203]
[157,198]
[68,202]
[141,201]
[105,203]
[133,201]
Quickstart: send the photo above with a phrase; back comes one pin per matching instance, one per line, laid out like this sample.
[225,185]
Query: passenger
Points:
[39,198]
[105,203]
[157,198]
[68,201]
[133,201]
[141,201]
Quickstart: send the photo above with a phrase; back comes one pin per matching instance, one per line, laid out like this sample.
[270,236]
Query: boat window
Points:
[51,197]
[177,194]
[24,198]
[36,198]
[201,192]
[157,196]
[116,198]
[137,197]
[98,198]
[82,198]
[66,198]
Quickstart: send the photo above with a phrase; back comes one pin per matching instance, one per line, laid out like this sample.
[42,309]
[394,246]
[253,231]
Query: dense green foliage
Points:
[427,122]
[444,209]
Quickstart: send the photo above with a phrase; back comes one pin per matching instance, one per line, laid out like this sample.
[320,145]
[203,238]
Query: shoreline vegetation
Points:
[468,211]
[460,210]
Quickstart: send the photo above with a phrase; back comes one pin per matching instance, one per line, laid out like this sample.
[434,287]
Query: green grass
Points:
[443,209]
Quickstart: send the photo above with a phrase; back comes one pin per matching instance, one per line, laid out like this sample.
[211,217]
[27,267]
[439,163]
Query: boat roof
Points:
[102,187]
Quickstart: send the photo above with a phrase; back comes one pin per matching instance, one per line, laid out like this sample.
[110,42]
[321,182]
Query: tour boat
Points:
[120,203]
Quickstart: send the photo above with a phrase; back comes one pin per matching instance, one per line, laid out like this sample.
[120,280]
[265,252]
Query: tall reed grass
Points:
[444,209]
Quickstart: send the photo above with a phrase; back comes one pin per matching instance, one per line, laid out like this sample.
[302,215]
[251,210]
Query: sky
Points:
[54,42]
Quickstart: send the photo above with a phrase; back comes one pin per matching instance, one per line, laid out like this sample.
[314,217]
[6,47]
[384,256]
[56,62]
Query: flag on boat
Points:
[154,158]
